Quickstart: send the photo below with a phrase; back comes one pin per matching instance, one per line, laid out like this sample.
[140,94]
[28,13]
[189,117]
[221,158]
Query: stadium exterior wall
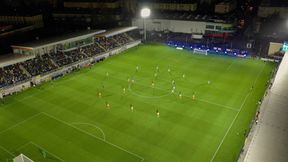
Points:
[16,88]
[184,26]
[64,70]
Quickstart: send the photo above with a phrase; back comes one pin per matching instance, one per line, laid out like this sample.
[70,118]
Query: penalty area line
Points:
[23,121]
[105,141]
[92,125]
[4,149]
[220,105]
[47,151]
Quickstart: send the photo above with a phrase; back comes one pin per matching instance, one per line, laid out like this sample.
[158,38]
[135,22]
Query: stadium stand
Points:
[11,74]
[64,54]
[61,59]
[93,49]
[39,65]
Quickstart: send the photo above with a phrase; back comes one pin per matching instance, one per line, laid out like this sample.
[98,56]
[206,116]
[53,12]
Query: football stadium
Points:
[116,98]
[134,94]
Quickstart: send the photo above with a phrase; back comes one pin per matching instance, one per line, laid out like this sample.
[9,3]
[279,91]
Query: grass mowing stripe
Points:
[61,121]
[243,103]
[23,121]
[4,149]
[220,105]
[92,125]
[183,131]
[47,151]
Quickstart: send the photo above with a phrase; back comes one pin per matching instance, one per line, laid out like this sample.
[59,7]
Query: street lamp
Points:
[145,13]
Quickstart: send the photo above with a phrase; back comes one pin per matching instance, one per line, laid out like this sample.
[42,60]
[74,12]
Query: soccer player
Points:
[169,70]
[1,97]
[128,80]
[137,68]
[124,90]
[173,90]
[180,95]
[152,84]
[107,105]
[155,75]
[131,107]
[259,102]
[173,82]
[132,81]
[43,152]
[99,94]
[157,68]
[193,97]
[157,113]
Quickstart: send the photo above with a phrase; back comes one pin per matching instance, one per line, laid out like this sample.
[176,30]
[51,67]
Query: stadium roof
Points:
[60,39]
[270,140]
[116,31]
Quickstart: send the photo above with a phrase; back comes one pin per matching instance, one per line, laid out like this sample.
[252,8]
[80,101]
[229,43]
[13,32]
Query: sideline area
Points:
[269,138]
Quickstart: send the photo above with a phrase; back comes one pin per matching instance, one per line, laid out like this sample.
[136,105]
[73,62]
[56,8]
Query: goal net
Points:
[22,158]
[200,51]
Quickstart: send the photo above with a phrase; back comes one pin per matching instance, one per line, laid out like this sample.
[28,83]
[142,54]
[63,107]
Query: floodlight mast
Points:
[145,13]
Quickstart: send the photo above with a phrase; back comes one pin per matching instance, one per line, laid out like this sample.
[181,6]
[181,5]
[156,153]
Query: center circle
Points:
[148,91]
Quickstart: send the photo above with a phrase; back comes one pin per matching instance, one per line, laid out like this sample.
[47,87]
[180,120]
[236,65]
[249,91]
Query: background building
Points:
[170,5]
[94,14]
[225,7]
[267,9]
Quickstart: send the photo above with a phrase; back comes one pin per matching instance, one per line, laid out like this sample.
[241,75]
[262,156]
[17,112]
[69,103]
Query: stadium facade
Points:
[189,24]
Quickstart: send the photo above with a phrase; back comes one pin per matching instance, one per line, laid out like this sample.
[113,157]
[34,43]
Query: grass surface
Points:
[68,121]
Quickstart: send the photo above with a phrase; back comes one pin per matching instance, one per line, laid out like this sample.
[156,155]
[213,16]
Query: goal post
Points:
[200,51]
[22,158]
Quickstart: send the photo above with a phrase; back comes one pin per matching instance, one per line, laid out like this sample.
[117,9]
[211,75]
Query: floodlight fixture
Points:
[145,12]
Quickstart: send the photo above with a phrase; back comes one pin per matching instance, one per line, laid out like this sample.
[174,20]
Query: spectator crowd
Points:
[39,65]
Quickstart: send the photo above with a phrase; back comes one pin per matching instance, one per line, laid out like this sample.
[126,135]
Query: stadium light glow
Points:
[145,12]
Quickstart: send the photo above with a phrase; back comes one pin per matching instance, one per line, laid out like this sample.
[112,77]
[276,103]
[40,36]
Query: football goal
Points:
[22,158]
[200,51]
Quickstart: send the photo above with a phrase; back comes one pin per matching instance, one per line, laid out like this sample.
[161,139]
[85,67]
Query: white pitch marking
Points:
[92,125]
[220,105]
[47,151]
[3,148]
[214,155]
[81,130]
[23,121]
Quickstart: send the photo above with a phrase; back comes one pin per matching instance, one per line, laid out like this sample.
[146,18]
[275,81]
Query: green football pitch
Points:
[67,120]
